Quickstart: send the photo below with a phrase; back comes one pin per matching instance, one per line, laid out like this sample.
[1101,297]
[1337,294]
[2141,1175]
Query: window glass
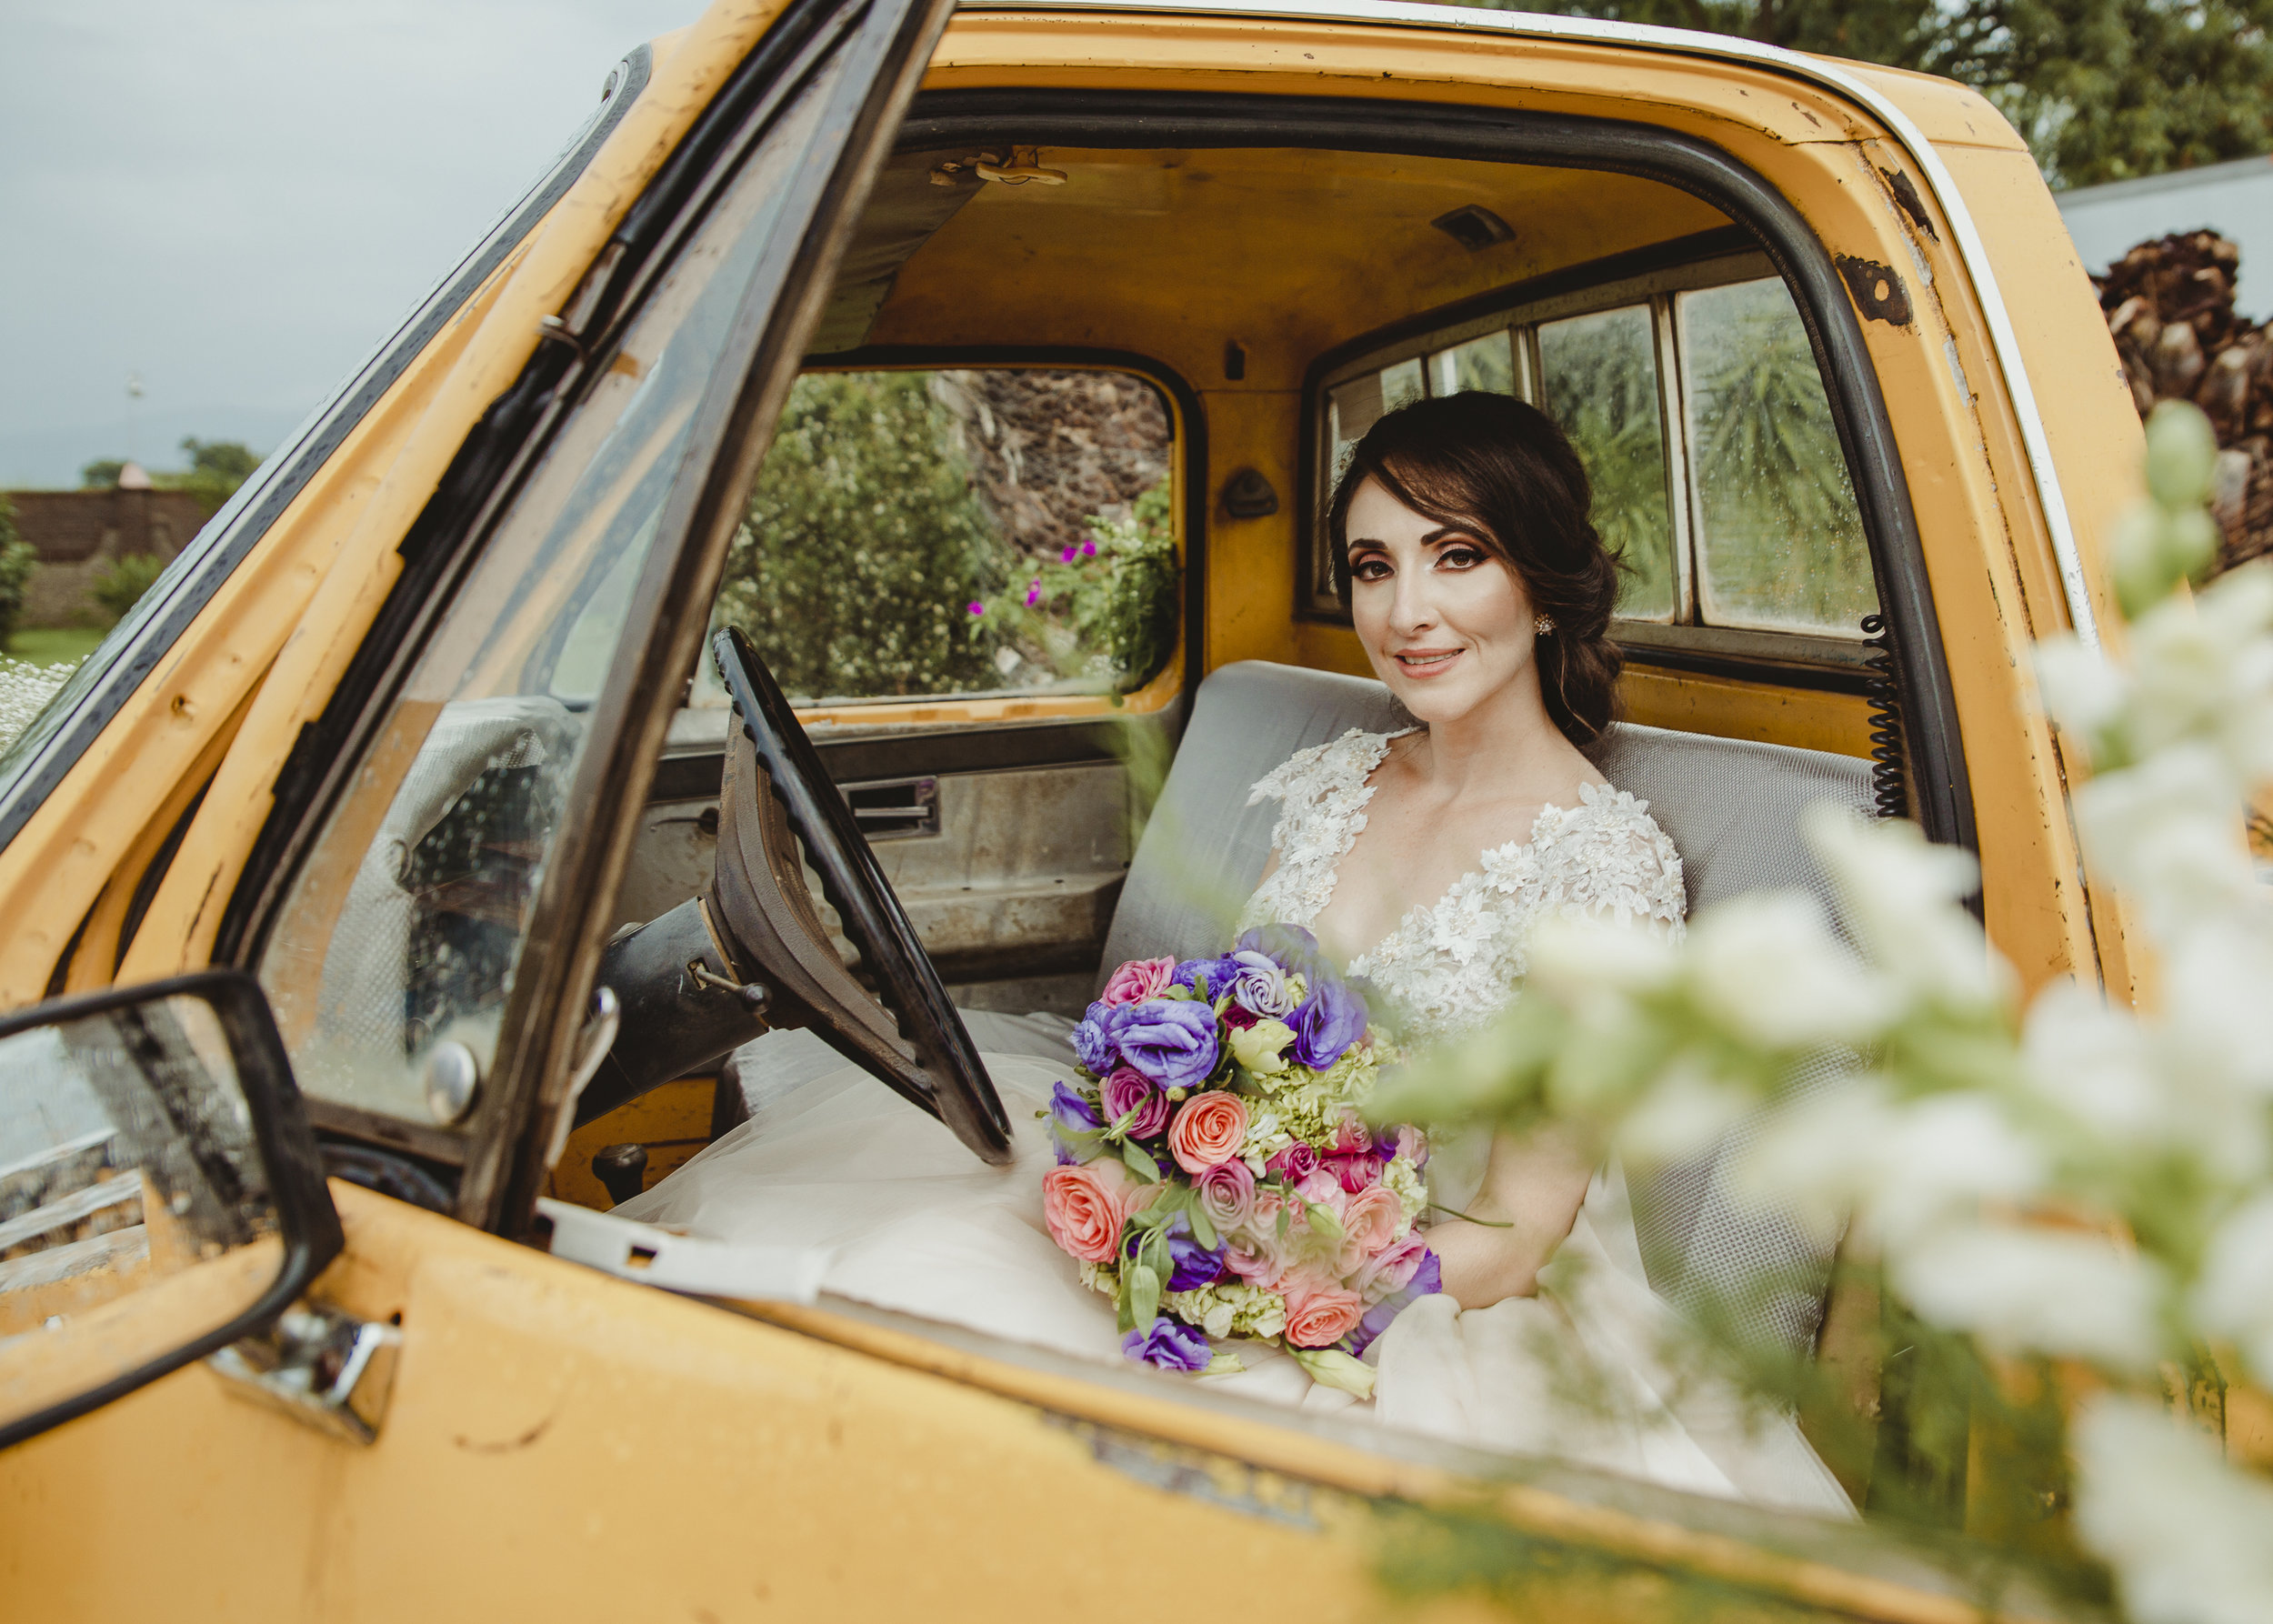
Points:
[1486,364]
[1779,541]
[967,532]
[403,929]
[1601,377]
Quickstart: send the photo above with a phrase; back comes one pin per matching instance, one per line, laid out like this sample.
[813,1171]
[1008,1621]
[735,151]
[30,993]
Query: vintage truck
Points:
[417,848]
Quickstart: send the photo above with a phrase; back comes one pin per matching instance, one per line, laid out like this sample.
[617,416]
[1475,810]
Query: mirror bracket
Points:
[320,1365]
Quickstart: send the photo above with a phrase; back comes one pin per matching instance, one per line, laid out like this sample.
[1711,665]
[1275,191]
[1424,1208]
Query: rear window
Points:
[1694,400]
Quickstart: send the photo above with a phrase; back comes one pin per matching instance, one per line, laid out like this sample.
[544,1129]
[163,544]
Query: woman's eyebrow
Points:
[1448,533]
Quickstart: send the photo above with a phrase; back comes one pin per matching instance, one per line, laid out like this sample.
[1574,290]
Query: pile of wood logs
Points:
[2169,304]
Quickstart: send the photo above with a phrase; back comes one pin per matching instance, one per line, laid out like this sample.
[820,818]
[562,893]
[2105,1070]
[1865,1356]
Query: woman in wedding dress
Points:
[1421,860]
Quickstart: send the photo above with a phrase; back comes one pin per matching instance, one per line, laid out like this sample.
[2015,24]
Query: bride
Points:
[1421,860]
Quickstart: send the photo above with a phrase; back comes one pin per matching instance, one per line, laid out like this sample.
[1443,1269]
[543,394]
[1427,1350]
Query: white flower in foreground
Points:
[1682,1114]
[2233,1297]
[2217,982]
[2054,1291]
[1768,964]
[2205,671]
[1906,1171]
[2081,689]
[1587,961]
[2168,832]
[1896,894]
[2189,1537]
[2094,1063]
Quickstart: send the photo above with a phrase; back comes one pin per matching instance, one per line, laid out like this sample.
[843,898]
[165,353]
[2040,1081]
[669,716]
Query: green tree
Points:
[16,558]
[102,473]
[216,467]
[2101,89]
[864,546]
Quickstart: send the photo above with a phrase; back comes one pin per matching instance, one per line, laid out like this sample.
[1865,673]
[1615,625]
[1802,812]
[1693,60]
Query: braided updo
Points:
[1503,471]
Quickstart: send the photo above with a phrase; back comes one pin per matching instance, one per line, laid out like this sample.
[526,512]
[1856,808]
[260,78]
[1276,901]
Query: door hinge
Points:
[320,1364]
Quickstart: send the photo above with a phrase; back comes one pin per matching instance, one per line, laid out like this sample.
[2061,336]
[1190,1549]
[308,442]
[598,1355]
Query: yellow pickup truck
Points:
[761,588]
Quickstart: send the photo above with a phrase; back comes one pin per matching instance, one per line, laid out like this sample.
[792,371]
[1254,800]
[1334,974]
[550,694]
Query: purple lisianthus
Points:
[1070,1114]
[1289,946]
[1206,977]
[1258,985]
[1427,1280]
[1093,1040]
[1190,1264]
[1168,1345]
[1330,1019]
[1170,1040]
[1127,1089]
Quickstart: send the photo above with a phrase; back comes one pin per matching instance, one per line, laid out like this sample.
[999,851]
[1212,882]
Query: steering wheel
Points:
[691,984]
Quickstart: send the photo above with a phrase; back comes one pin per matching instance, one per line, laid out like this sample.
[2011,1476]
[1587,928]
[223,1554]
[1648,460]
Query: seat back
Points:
[1730,806]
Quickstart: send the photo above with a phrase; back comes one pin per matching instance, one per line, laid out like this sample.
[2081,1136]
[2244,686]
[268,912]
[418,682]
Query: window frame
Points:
[1168,693]
[1713,259]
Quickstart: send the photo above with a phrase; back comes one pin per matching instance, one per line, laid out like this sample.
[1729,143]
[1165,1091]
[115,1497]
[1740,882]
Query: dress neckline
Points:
[1588,794]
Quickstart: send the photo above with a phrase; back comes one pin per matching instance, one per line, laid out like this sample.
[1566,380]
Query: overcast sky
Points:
[234,199]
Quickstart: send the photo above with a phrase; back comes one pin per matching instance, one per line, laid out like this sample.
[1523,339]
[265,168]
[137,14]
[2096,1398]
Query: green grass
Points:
[54,645]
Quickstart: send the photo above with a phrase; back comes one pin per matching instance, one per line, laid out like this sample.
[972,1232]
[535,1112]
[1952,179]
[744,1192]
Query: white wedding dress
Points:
[912,1221]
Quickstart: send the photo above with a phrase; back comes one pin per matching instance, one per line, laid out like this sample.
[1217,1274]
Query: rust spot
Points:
[1878,290]
[1904,192]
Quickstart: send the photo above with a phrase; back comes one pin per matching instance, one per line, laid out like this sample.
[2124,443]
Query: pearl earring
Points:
[1542,626]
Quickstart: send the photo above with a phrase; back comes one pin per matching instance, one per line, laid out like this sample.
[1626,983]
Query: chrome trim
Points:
[1965,238]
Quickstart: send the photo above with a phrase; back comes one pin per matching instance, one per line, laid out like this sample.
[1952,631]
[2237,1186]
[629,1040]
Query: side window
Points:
[1600,373]
[1779,542]
[1694,402]
[927,535]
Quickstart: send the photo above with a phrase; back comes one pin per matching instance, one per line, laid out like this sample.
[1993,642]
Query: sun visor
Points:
[916,194]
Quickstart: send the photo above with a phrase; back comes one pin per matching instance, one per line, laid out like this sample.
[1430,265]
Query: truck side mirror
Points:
[161,1192]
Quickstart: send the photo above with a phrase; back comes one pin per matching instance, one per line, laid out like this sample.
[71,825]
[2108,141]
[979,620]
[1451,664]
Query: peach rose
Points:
[1084,1208]
[1133,982]
[1319,1313]
[1371,1219]
[1206,1131]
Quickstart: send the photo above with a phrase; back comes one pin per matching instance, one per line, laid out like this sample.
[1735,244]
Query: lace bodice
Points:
[1449,967]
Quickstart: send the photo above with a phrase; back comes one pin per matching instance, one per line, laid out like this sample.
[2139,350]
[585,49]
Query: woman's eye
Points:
[1369,569]
[1460,557]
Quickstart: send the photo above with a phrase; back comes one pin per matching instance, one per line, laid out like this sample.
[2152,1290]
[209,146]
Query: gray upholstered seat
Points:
[1730,806]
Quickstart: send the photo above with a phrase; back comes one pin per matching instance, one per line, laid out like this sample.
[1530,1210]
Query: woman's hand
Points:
[1534,1185]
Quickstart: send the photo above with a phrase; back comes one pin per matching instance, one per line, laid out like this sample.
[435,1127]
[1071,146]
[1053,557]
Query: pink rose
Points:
[1254,1263]
[1208,1129]
[1390,1270]
[1319,1313]
[1138,979]
[1296,1162]
[1321,1189]
[1227,1193]
[1413,1146]
[1372,1220]
[1360,1170]
[1128,1089]
[1084,1208]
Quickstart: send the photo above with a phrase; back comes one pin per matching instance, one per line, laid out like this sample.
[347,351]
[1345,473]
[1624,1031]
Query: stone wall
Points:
[76,533]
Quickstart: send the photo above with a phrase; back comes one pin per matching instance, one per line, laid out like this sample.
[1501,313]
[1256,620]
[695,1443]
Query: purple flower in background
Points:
[1289,946]
[1190,1264]
[1331,1020]
[1088,549]
[1170,1040]
[1066,556]
[976,607]
[1093,1040]
[1258,985]
[1128,1089]
[1070,1114]
[1168,1345]
[1033,592]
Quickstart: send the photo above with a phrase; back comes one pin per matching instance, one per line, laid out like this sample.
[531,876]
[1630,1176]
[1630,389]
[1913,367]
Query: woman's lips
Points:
[1427,663]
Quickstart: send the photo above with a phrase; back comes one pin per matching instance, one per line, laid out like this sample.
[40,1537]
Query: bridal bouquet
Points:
[1215,1176]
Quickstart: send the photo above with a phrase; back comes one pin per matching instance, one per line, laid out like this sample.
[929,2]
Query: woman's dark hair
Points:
[1503,471]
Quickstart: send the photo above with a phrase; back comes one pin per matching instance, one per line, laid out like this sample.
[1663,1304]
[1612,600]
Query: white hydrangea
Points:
[2191,1538]
[25,690]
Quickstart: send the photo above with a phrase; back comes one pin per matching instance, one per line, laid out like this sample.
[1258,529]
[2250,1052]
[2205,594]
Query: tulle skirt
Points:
[913,1222]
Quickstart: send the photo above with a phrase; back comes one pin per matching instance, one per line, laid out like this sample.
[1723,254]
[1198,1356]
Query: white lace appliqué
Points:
[1451,967]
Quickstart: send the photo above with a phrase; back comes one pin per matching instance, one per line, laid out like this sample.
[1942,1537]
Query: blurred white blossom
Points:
[2191,1540]
[2234,1297]
[2036,1290]
[1769,965]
